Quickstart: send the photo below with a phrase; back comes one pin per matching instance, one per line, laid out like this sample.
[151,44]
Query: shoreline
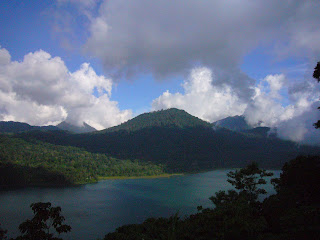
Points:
[165,175]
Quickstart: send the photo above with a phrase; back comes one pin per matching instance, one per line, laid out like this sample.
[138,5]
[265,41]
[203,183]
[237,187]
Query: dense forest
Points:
[172,117]
[181,142]
[163,141]
[39,163]
[293,213]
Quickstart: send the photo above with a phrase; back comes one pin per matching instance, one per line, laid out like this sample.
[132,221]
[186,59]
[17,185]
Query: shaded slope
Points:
[181,142]
[15,127]
[76,129]
[236,123]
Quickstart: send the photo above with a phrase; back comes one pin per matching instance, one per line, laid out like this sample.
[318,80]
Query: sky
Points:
[104,62]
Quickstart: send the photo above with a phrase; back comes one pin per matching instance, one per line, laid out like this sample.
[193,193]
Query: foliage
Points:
[38,163]
[16,127]
[150,229]
[235,216]
[289,214]
[294,211]
[46,222]
[316,75]
[164,118]
[247,180]
[185,149]
[3,233]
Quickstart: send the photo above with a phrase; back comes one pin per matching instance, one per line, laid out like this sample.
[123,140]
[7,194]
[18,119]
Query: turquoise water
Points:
[93,210]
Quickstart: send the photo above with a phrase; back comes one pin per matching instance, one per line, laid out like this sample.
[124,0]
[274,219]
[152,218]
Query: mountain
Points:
[239,124]
[76,129]
[236,123]
[16,127]
[25,163]
[164,118]
[180,142]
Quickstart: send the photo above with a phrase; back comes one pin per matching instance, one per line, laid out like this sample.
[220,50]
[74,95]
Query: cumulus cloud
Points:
[169,37]
[293,121]
[40,90]
[202,98]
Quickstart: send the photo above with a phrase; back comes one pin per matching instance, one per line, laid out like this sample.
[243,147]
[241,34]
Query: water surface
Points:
[93,210]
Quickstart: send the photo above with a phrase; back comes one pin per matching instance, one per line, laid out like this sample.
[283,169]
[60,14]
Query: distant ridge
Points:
[75,129]
[181,142]
[236,123]
[16,127]
[172,117]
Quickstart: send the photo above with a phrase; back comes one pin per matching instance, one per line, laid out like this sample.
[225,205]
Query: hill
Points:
[236,123]
[85,128]
[24,163]
[181,142]
[16,127]
[164,118]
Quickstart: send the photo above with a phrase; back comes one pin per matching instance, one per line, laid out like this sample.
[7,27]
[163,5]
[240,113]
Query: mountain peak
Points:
[172,117]
[76,129]
[235,123]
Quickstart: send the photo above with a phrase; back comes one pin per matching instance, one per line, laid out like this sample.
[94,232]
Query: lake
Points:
[93,210]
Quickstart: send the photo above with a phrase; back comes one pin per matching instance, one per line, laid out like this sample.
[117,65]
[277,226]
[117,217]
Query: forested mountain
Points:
[76,129]
[239,124]
[235,123]
[15,127]
[38,163]
[181,142]
[164,118]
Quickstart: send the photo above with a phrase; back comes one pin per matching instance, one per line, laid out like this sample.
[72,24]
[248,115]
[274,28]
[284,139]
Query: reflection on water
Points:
[93,210]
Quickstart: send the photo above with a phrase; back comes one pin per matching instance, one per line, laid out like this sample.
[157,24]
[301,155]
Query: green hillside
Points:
[181,142]
[164,118]
[38,163]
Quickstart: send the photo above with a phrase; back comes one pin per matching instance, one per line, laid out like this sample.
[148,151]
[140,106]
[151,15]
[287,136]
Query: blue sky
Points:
[213,59]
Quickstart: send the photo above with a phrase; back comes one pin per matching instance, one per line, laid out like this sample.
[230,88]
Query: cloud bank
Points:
[211,102]
[170,37]
[40,90]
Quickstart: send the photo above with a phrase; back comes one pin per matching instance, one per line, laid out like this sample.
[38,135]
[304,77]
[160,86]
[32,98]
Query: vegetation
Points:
[316,75]
[38,163]
[182,149]
[45,224]
[293,213]
[164,118]
[16,127]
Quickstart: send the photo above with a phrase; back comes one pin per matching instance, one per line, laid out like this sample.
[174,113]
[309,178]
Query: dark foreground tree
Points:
[316,75]
[3,233]
[294,212]
[47,221]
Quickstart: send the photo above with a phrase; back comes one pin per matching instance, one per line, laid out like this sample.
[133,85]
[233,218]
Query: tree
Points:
[238,214]
[316,75]
[3,233]
[246,180]
[46,219]
[294,211]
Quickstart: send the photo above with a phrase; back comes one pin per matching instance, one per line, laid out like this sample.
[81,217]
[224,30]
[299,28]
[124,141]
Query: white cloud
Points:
[40,90]
[202,98]
[294,121]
